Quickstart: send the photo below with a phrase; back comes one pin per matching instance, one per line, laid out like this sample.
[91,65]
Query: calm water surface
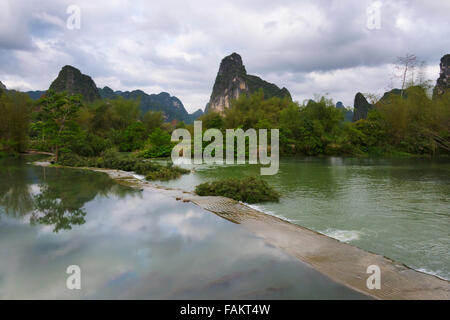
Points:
[398,208]
[130,244]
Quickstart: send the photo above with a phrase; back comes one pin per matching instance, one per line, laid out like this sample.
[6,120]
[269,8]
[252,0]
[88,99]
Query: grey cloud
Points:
[176,46]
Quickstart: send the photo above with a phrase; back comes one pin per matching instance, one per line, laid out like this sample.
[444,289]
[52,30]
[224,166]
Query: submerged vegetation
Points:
[249,190]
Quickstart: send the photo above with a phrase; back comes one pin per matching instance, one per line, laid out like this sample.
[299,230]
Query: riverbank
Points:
[341,262]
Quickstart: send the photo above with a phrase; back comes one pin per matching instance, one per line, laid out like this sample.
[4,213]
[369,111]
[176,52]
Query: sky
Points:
[312,47]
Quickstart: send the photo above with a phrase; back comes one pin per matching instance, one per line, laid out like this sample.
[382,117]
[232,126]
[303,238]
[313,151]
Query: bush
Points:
[159,145]
[133,137]
[249,189]
[157,152]
[166,173]
[88,145]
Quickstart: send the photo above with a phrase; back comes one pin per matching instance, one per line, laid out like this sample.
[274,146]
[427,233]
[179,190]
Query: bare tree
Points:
[421,78]
[372,97]
[406,66]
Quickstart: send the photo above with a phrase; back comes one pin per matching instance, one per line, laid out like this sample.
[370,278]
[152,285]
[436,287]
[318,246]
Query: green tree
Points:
[133,137]
[153,120]
[15,113]
[58,114]
[159,145]
[124,112]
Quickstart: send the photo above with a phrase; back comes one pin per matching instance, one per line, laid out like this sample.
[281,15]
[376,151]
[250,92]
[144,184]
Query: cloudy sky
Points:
[333,47]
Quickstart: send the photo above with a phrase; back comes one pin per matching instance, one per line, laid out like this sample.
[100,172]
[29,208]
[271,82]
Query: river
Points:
[399,208]
[133,245]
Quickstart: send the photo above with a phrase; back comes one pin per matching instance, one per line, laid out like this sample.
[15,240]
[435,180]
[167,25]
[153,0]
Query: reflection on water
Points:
[53,197]
[130,244]
[399,208]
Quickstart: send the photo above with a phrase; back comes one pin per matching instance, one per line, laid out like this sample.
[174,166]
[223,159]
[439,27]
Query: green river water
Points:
[399,208]
[135,245]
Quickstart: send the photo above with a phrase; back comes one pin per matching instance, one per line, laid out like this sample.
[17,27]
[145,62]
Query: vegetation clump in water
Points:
[111,159]
[249,190]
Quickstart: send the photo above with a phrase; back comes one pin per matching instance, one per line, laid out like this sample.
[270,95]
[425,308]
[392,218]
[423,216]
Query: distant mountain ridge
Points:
[71,79]
[232,80]
[171,106]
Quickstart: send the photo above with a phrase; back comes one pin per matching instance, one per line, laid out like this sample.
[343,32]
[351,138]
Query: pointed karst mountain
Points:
[2,86]
[443,83]
[361,107]
[232,80]
[70,79]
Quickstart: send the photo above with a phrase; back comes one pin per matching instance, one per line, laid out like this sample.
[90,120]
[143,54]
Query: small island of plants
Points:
[248,189]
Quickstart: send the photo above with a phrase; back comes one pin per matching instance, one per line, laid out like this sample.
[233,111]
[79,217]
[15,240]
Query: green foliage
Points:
[166,173]
[310,129]
[416,124]
[15,113]
[249,190]
[247,111]
[112,159]
[159,145]
[57,119]
[88,144]
[133,137]
[412,124]
[180,125]
[153,120]
[124,112]
[212,120]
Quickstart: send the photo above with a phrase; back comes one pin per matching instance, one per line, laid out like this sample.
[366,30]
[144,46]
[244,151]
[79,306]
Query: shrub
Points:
[159,145]
[166,173]
[249,189]
[133,137]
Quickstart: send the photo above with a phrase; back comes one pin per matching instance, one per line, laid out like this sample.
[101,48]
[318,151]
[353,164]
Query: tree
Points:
[406,66]
[124,112]
[212,120]
[58,114]
[153,120]
[15,113]
[133,137]
[159,144]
